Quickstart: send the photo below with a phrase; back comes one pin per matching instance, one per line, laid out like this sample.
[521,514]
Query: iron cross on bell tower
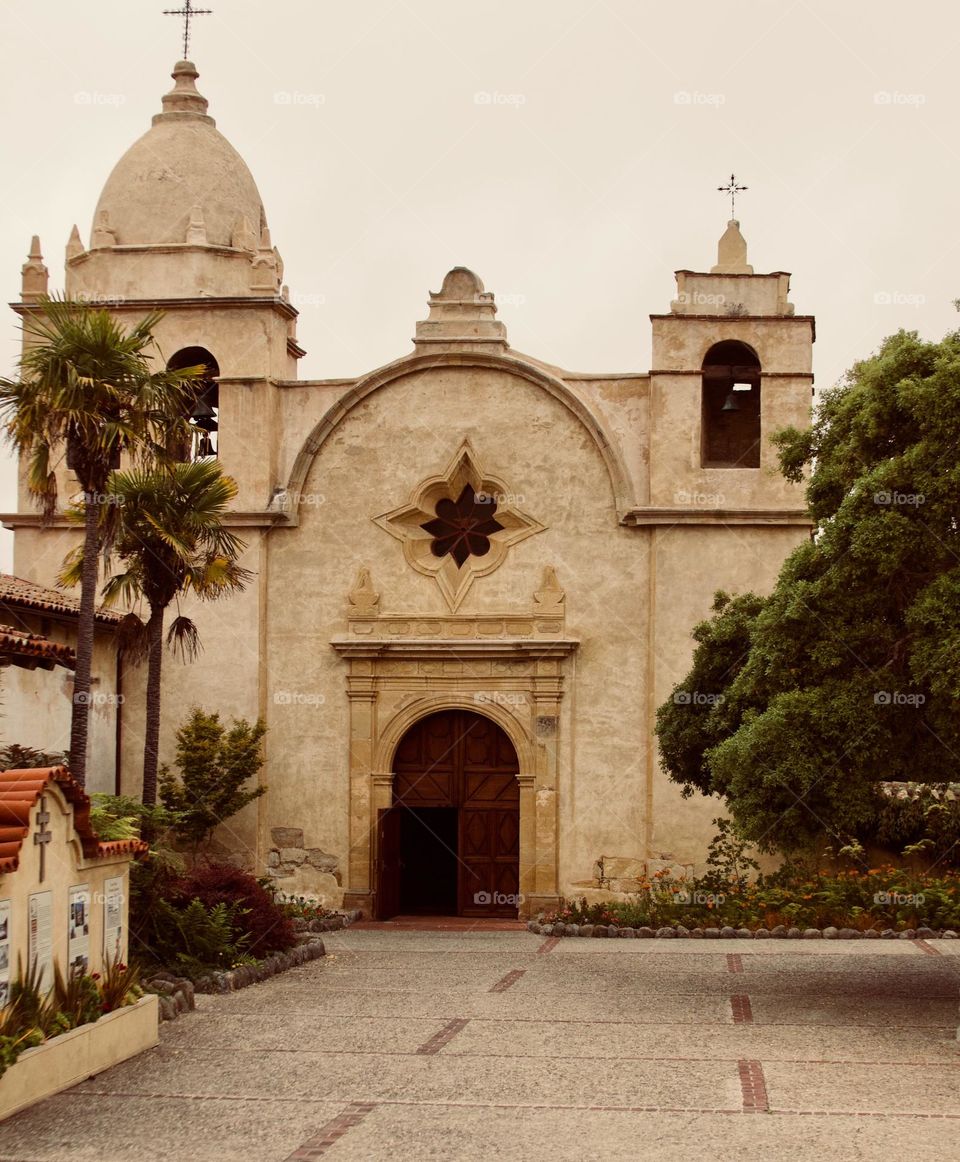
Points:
[731,189]
[187,12]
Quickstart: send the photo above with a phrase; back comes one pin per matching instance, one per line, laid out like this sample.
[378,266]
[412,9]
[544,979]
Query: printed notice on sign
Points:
[78,929]
[40,949]
[113,919]
[4,952]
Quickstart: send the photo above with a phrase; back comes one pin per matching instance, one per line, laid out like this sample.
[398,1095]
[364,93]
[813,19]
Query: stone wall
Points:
[298,870]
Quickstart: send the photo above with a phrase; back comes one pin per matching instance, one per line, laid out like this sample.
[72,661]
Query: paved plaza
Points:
[502,1044]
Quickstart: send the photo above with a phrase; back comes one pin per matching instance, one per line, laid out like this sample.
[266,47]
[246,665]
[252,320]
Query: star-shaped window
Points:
[459,525]
[463,527]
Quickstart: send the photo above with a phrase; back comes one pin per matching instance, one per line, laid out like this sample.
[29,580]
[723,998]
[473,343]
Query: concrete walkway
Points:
[460,1045]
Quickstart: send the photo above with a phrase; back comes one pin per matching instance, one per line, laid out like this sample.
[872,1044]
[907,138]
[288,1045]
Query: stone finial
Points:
[74,243]
[197,228]
[276,255]
[244,236]
[263,265]
[34,275]
[732,252]
[102,233]
[462,313]
[183,100]
[549,597]
[362,596]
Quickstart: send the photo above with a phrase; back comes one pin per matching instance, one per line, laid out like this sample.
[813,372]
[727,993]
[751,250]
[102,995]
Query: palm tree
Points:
[86,390]
[166,526]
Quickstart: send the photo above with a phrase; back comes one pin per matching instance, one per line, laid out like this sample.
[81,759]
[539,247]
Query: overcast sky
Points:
[567,151]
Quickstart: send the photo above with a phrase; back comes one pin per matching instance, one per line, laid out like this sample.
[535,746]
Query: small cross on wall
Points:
[43,835]
[187,12]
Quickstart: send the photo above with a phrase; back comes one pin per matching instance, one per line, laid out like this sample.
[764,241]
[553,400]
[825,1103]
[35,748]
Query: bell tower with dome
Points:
[180,228]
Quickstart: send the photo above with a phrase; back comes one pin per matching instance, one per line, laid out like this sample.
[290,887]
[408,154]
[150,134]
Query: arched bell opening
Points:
[730,412]
[204,415]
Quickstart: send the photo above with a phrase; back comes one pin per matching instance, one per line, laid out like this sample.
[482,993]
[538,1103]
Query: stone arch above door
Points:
[418,709]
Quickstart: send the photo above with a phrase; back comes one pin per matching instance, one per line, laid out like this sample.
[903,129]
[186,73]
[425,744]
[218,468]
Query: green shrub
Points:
[194,939]
[215,765]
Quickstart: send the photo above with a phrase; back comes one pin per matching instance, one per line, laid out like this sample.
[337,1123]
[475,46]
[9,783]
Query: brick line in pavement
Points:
[753,1086]
[446,1035]
[892,993]
[434,1103]
[549,944]
[507,981]
[741,1010]
[640,1024]
[734,962]
[648,1057]
[330,1133]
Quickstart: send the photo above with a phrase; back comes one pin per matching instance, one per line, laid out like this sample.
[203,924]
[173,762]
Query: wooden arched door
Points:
[451,841]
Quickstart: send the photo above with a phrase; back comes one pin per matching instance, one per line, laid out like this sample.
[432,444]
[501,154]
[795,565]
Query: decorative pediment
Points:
[459,525]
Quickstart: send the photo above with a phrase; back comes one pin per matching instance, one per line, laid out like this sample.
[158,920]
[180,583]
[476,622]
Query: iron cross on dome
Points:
[187,12]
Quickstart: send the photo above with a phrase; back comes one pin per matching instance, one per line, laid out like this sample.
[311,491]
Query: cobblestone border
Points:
[175,995]
[779,933]
[178,995]
[329,924]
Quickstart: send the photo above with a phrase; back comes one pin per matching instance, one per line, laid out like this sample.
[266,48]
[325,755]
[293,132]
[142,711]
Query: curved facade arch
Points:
[410,365]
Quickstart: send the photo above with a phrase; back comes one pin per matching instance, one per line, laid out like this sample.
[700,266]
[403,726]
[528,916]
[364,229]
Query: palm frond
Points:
[183,638]
[132,639]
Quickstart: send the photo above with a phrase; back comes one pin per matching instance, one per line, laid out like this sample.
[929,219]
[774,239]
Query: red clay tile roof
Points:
[19,792]
[18,644]
[17,591]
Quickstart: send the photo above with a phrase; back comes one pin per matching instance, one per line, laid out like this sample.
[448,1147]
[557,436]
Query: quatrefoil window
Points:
[459,525]
[463,527]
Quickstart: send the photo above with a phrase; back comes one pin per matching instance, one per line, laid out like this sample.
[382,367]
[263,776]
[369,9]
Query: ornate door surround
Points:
[510,668]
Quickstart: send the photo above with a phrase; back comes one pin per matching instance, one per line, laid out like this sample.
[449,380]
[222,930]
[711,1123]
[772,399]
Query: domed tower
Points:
[180,227]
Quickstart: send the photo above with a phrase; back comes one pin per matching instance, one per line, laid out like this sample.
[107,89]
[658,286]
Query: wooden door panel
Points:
[426,789]
[490,788]
[461,759]
[489,863]
[388,868]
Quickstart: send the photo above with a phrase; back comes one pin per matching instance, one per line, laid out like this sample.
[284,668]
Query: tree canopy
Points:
[799,704]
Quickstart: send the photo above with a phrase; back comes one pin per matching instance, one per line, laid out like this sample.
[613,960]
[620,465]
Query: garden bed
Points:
[78,1054]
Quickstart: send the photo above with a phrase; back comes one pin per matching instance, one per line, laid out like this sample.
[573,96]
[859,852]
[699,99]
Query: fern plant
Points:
[199,938]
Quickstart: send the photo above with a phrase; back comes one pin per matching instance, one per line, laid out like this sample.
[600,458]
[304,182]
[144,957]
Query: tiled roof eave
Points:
[19,792]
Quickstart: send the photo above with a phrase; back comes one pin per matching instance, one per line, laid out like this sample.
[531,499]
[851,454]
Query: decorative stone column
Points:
[361,692]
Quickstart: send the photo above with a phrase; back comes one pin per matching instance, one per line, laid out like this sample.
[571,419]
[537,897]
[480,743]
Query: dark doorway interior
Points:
[428,859]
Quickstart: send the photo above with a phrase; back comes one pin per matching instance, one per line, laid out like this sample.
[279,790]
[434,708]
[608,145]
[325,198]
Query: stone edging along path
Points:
[779,933]
[177,995]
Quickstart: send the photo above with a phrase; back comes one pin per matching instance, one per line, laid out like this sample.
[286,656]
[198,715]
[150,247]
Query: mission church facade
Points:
[475,574]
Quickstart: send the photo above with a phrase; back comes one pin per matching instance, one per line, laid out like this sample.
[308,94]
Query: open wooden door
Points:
[388,864]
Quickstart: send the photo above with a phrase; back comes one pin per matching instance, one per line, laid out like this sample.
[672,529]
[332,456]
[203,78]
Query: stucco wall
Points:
[370,464]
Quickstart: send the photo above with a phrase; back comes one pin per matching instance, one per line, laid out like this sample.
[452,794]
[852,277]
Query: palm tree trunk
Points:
[80,719]
[151,740]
